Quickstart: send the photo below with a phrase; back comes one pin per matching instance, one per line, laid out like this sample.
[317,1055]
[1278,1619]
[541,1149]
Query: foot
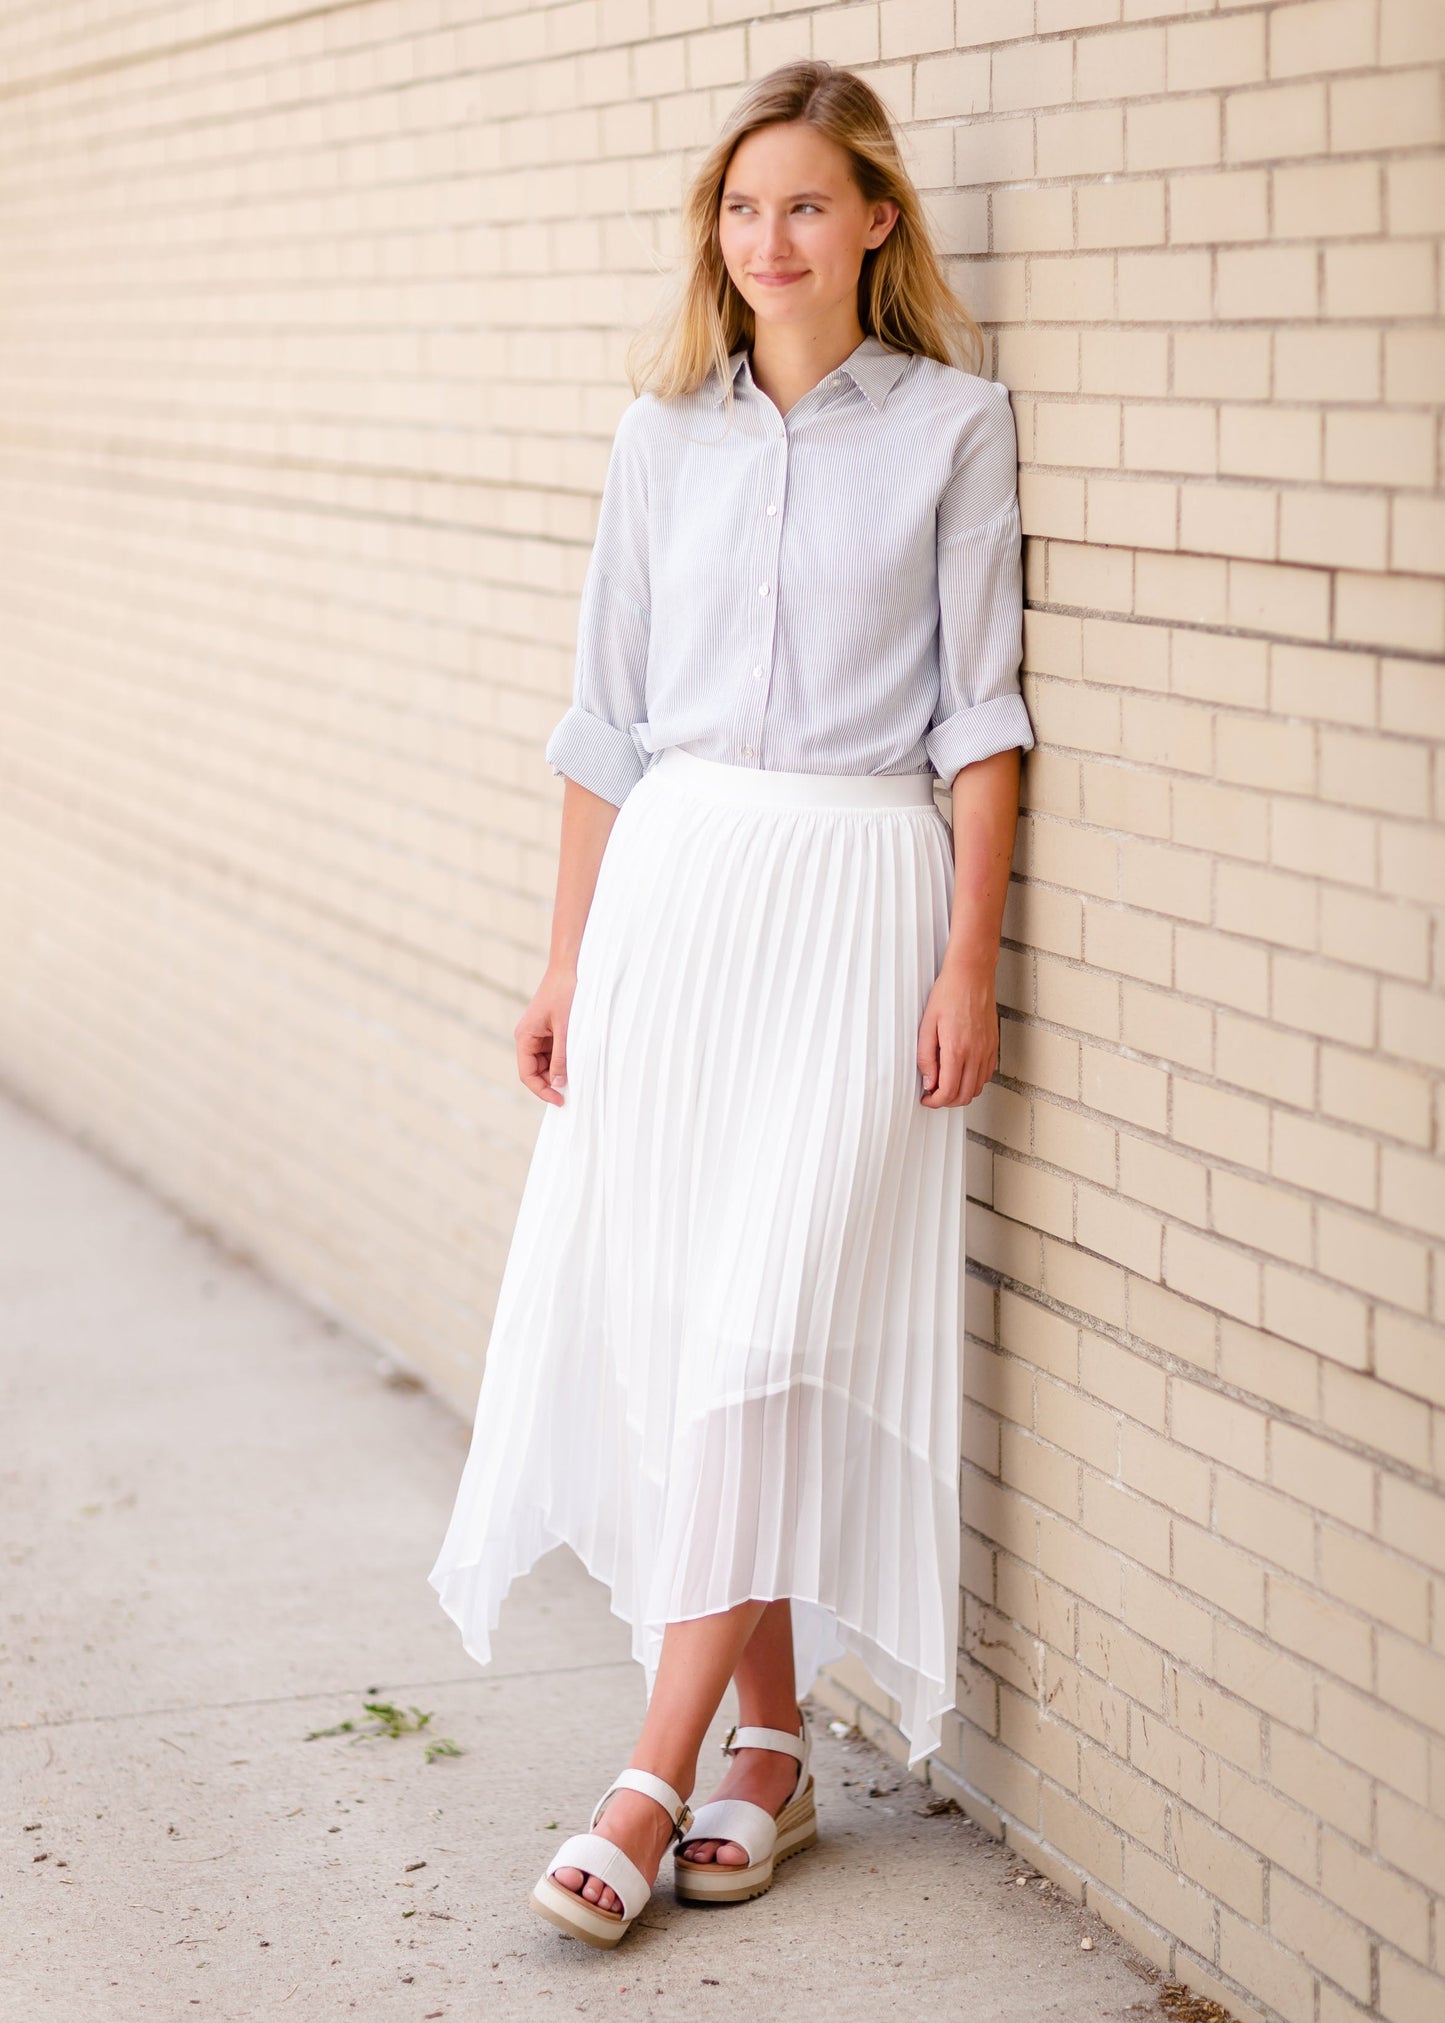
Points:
[640,1827]
[768,1777]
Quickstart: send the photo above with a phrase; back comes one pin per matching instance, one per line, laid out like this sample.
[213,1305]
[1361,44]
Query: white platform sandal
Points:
[767,1838]
[568,1909]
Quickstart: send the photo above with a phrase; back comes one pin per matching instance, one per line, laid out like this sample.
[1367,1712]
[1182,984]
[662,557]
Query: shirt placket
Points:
[762,633]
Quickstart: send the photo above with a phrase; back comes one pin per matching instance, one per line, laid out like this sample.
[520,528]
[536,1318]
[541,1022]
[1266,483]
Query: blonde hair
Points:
[903,298]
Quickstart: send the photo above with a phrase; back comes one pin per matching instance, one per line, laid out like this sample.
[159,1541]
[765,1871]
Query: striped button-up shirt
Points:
[834,590]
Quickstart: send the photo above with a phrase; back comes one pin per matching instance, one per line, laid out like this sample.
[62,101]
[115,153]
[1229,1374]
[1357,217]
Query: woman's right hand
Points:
[541,1035]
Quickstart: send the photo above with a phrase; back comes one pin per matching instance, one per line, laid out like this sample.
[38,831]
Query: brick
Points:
[1378,1584]
[1220,1122]
[1163,879]
[1412,1519]
[1229,1871]
[1262,1215]
[1321,1474]
[1121,939]
[1231,823]
[1385,1901]
[1083,1565]
[1083,1835]
[1173,1182]
[1407,1355]
[1163,1615]
[1317,1315]
[1408,1992]
[1378,1095]
[1086,1283]
[1379,934]
[1269,1526]
[1038,1472]
[1253,1960]
[1366,1734]
[1209,1566]
[1364,1254]
[1326,998]
[1130,1236]
[1081,999]
[1212,1272]
[1041,1337]
[1411,1839]
[1268,1368]
[1155,1468]
[1307,1925]
[1168,1026]
[1344,1165]
[1275,906]
[1164,1896]
[1130,1524]
[1319,1629]
[1207,1714]
[1183,1327]
[1032,1195]
[1076,1142]
[1211,1423]
[1071,1421]
[1122,1378]
[1222,968]
[1259,1674]
[1324,683]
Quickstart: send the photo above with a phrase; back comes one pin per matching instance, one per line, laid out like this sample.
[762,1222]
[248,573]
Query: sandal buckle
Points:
[683,1821]
[728,1739]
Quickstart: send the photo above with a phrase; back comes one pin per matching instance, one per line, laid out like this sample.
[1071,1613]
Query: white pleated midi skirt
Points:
[726,1356]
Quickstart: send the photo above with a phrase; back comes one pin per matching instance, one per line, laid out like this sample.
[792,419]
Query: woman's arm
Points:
[541,1031]
[958,1039]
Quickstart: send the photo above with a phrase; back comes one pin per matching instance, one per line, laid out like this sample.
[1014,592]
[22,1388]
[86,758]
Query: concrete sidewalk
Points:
[218,1517]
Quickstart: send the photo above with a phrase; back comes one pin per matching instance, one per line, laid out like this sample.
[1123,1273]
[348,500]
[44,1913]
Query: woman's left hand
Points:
[958,1040]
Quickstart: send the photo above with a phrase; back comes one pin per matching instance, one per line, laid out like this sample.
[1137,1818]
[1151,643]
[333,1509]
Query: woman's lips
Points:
[779,280]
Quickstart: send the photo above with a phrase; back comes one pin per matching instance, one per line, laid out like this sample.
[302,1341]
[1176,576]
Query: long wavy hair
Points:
[903,298]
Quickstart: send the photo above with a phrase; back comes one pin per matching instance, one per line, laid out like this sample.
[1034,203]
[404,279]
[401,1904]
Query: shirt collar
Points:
[871,366]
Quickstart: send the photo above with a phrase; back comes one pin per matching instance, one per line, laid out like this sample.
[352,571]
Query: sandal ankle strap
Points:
[770,1738]
[677,1808]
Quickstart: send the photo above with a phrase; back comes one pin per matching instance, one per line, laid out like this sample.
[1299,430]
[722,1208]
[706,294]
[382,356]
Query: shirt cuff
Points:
[596,754]
[971,734]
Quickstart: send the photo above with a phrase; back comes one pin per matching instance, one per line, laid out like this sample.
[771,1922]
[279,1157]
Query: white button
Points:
[762,590]
[771,511]
[747,751]
[757,674]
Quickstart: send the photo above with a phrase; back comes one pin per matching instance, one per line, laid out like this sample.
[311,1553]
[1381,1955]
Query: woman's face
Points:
[793,226]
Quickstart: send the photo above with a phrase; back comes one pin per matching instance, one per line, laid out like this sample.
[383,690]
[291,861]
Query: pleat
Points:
[726,1355]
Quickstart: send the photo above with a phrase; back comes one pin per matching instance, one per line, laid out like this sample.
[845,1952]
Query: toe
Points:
[732,1855]
[569,1878]
[700,1850]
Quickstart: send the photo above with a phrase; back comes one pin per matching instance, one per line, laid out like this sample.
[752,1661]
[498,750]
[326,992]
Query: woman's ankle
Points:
[786,1715]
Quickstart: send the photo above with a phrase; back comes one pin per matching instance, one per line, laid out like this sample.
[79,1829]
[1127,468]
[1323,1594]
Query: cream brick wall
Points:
[311,343]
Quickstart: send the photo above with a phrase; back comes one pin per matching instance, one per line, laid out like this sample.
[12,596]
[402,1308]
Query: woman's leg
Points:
[767,1698]
[697,1660]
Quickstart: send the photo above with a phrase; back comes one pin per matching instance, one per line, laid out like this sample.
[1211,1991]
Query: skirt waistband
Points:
[716,780]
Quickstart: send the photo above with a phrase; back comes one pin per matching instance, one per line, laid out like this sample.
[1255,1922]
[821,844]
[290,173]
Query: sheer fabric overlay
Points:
[726,1355]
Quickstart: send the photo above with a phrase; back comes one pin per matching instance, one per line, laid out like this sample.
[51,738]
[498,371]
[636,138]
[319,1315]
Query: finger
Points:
[534,1058]
[928,1051]
[951,1059]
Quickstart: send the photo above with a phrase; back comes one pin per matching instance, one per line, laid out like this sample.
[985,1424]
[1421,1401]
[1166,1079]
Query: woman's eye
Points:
[748,207]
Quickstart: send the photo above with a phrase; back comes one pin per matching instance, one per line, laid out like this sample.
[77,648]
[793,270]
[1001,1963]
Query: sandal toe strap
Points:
[751,1826]
[603,1858]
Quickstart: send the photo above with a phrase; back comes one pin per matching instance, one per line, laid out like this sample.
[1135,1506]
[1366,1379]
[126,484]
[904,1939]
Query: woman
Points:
[725,1362]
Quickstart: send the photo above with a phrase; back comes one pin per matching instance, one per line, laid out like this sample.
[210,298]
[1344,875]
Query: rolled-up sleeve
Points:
[594,743]
[980,707]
